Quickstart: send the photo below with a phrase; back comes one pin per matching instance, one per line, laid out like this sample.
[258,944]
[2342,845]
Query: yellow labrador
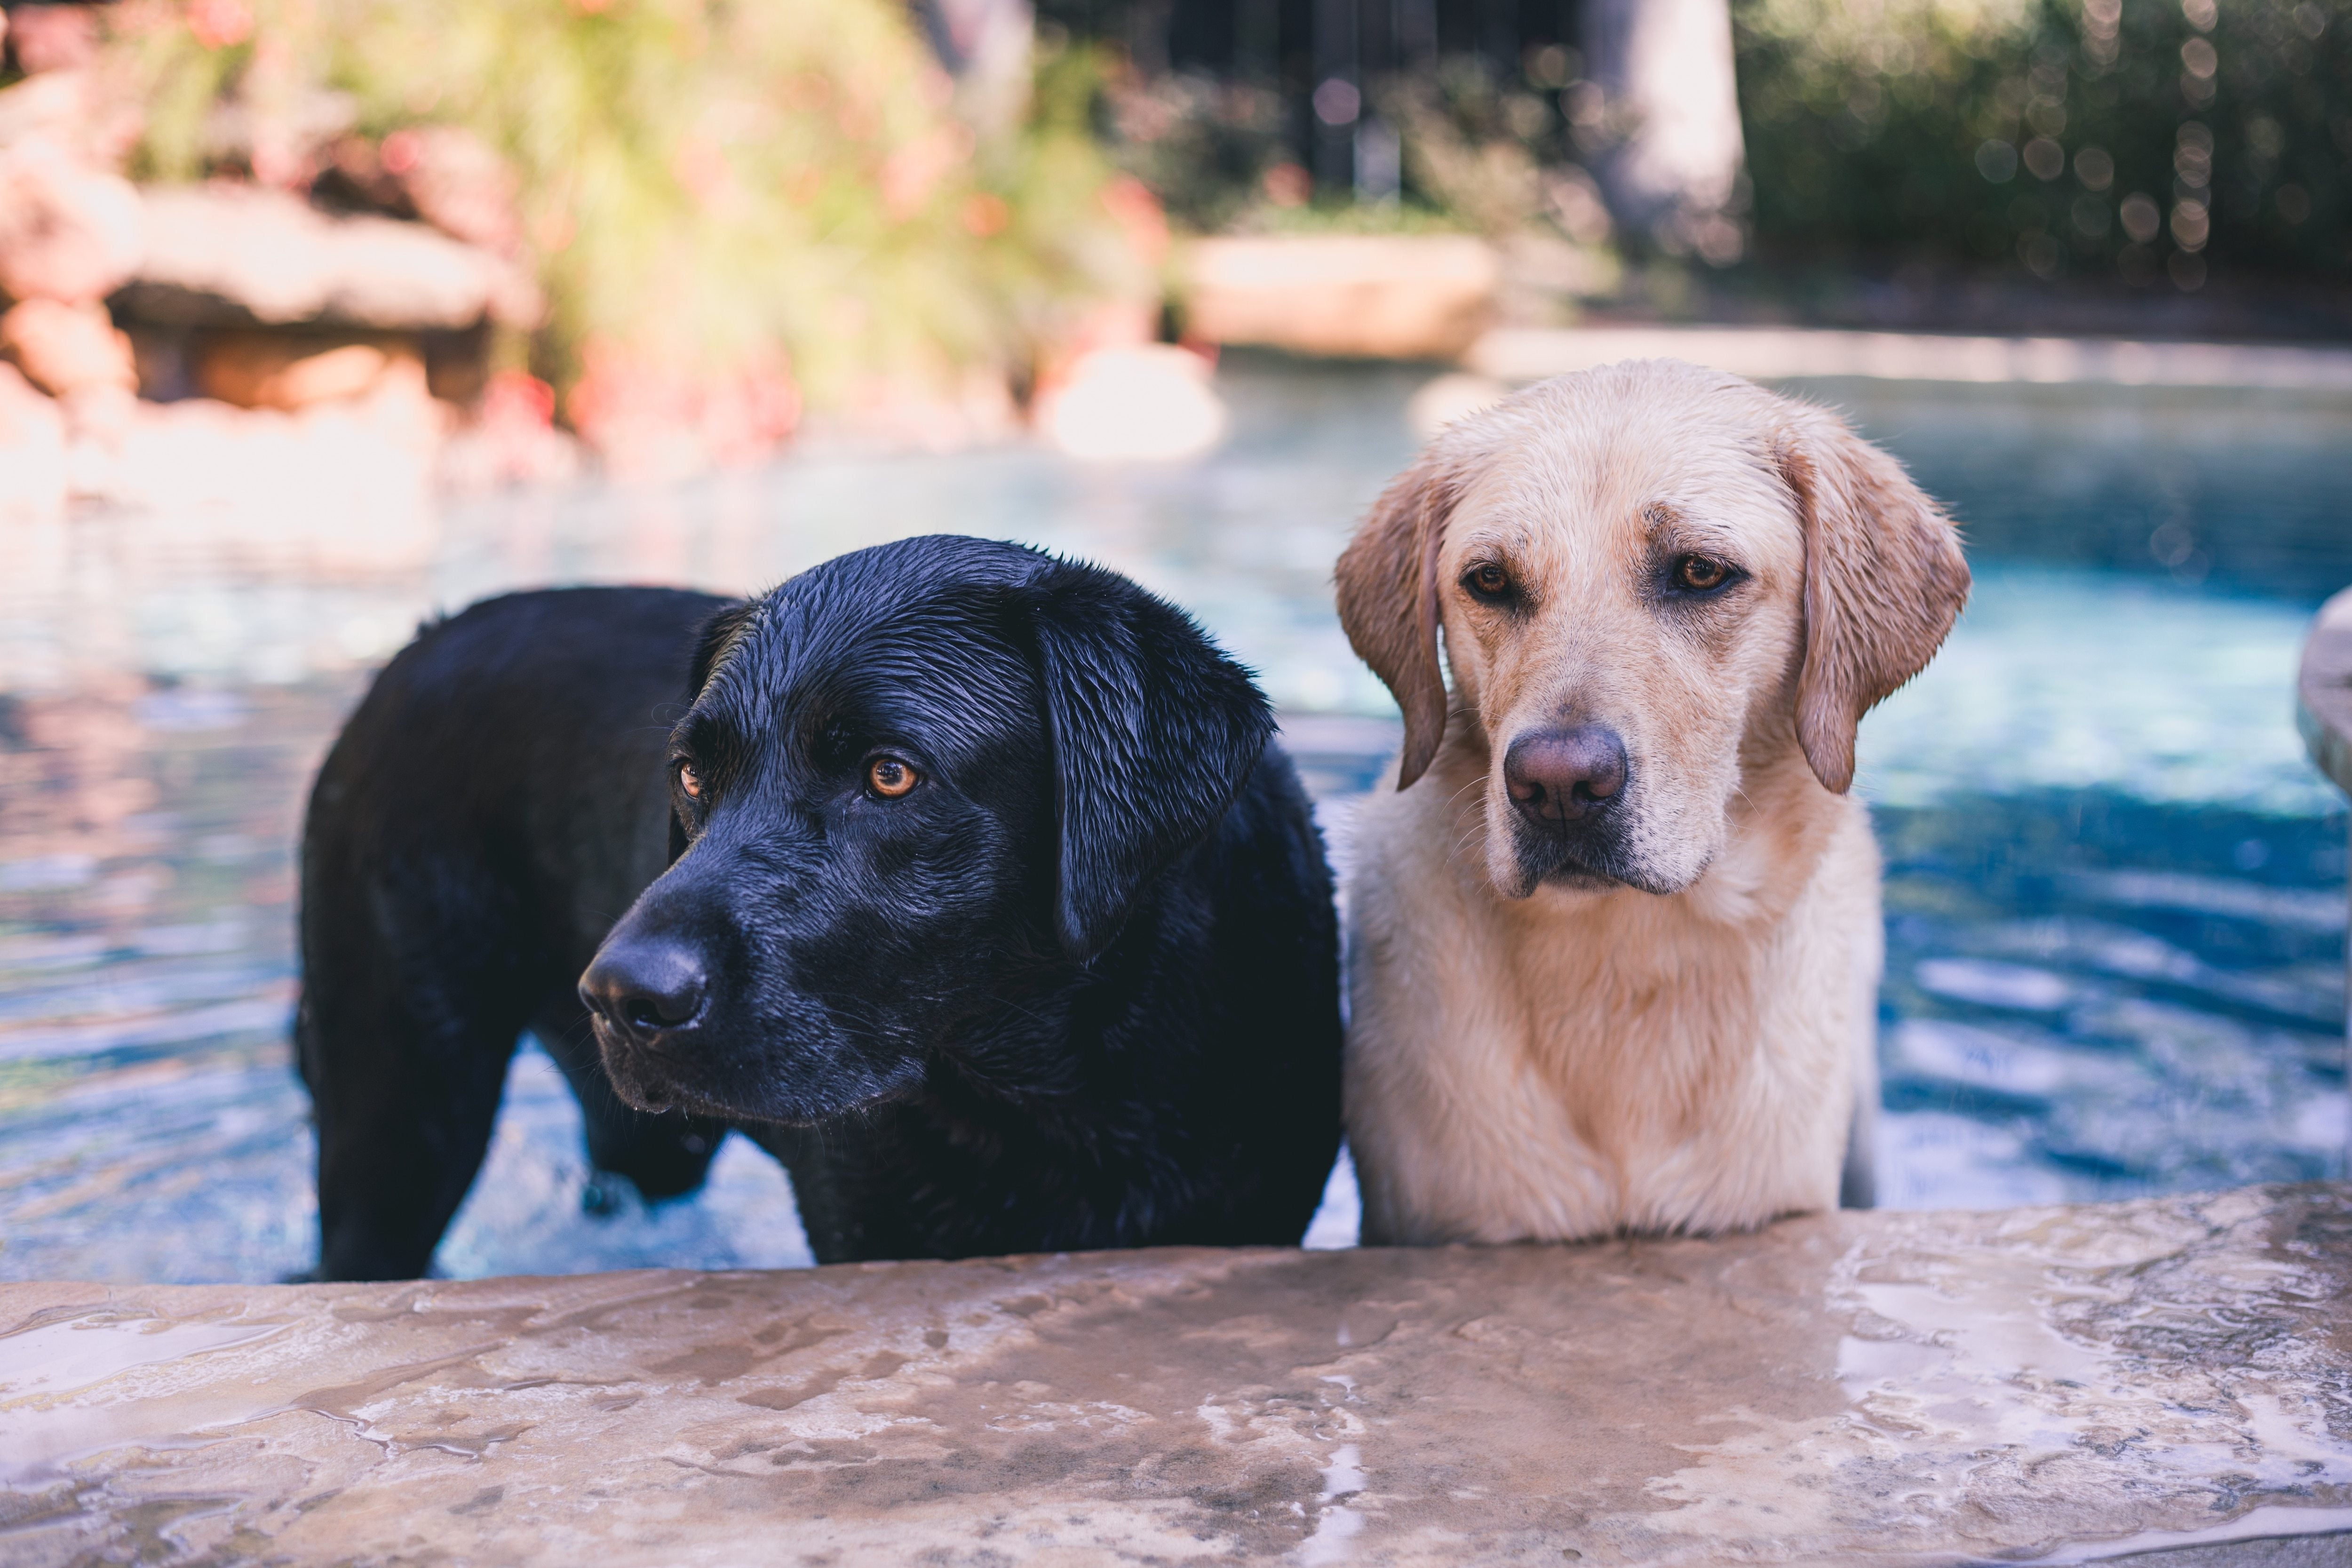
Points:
[1615,929]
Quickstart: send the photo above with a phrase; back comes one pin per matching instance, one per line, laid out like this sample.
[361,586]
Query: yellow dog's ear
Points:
[1884,580]
[1387,579]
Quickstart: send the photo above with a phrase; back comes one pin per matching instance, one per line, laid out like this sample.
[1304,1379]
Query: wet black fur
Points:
[1079,989]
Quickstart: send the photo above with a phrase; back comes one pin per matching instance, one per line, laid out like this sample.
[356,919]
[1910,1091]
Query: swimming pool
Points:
[2115,888]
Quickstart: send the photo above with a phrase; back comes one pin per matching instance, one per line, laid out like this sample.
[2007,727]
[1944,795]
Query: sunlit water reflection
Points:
[2116,907]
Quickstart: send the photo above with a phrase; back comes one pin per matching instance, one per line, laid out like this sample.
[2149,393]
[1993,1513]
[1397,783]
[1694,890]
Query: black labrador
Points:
[970,885]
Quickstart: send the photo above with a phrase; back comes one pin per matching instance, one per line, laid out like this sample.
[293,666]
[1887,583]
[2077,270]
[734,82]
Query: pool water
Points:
[2116,903]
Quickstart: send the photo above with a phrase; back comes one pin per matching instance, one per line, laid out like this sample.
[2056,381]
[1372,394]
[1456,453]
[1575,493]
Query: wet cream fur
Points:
[1540,1061]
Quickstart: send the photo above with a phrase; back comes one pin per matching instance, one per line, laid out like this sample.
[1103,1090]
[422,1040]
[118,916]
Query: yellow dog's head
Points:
[1651,579]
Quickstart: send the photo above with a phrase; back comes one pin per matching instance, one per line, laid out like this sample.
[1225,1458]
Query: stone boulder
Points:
[1414,297]
[459,183]
[67,232]
[84,113]
[444,175]
[51,38]
[225,254]
[32,452]
[290,371]
[1146,402]
[337,487]
[65,348]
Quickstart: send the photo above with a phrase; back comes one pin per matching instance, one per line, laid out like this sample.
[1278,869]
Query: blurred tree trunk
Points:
[1671,116]
[985,45]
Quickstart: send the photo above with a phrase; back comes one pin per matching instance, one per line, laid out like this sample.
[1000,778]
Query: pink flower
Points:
[985,216]
[652,419]
[403,151]
[220,24]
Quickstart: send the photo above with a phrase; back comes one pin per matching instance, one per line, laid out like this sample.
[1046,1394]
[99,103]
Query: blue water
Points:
[2115,888]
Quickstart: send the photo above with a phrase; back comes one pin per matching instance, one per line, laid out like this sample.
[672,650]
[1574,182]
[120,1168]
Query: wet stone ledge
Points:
[2169,1376]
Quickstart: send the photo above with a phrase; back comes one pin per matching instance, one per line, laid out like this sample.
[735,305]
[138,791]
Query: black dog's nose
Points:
[645,987]
[1559,775]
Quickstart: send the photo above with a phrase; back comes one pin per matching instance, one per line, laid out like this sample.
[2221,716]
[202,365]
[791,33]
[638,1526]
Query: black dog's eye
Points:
[1489,581]
[689,781]
[1700,573]
[891,777]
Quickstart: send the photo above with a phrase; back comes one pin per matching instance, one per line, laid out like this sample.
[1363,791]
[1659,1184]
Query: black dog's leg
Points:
[405,1096]
[415,989]
[666,1156]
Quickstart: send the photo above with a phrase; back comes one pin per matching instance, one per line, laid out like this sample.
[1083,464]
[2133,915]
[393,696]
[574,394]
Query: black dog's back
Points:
[502,795]
[487,812]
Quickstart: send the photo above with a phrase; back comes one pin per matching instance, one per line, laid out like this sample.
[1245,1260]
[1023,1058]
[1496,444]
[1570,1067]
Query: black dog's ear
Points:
[712,643]
[1153,732]
[717,637]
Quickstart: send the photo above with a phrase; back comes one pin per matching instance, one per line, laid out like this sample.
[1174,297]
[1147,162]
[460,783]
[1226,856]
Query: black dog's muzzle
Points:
[643,988]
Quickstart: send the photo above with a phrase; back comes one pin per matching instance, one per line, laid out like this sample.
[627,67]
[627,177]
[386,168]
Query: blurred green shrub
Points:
[1202,144]
[1497,155]
[2076,136]
[1476,152]
[716,189]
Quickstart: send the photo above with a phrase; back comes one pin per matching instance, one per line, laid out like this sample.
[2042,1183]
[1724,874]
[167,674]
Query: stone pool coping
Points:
[2052,1384]
[1775,353]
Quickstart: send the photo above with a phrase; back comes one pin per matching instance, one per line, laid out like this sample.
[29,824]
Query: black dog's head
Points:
[913,780]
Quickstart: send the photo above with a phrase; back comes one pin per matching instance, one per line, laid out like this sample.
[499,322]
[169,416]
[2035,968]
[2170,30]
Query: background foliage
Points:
[698,184]
[2000,130]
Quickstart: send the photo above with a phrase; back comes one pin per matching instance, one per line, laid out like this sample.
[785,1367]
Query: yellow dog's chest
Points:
[1568,1067]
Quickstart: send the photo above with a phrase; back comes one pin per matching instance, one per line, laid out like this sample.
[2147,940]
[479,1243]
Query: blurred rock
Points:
[1357,296]
[72,111]
[104,413]
[276,129]
[44,38]
[1149,403]
[230,254]
[99,421]
[344,486]
[65,348]
[66,231]
[459,183]
[444,175]
[290,371]
[32,452]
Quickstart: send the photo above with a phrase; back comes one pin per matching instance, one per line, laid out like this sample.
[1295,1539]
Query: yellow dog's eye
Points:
[889,777]
[1699,573]
[689,781]
[1489,581]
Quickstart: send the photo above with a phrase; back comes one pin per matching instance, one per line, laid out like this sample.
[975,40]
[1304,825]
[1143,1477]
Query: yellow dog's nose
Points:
[1559,775]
